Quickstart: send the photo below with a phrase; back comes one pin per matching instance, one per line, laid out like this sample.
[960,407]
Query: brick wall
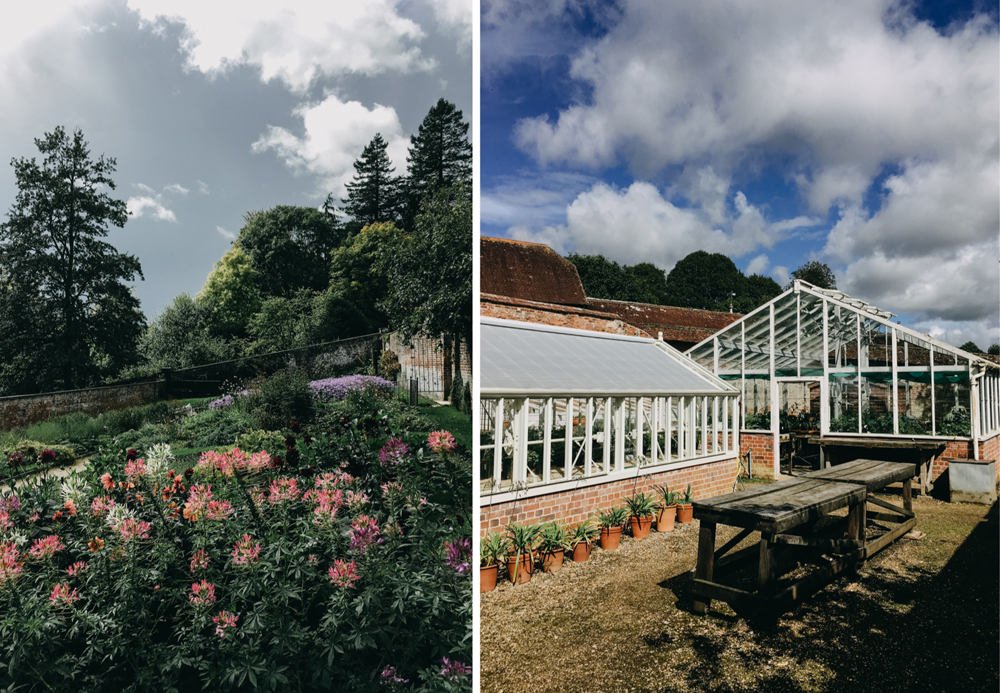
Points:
[761,446]
[24,410]
[559,316]
[572,507]
[423,359]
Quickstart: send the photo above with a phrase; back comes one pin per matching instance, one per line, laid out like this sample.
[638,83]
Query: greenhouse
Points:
[818,360]
[580,409]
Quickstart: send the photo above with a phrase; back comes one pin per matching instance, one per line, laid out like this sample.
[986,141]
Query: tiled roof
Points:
[530,271]
[677,324]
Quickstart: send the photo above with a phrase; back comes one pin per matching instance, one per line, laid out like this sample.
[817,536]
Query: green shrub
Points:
[281,399]
[258,441]
[32,450]
[121,420]
[457,391]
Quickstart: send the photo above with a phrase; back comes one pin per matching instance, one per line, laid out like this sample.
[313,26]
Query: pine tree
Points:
[372,196]
[440,155]
[60,274]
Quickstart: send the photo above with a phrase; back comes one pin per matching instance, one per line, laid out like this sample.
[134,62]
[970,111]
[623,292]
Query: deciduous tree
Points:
[817,274]
[60,274]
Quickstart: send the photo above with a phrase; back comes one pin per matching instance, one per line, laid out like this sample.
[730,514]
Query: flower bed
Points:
[324,567]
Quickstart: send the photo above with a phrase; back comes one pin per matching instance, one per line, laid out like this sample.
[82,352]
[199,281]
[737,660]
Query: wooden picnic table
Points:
[786,513]
[927,450]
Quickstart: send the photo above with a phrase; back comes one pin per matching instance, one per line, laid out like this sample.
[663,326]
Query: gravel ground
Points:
[920,616]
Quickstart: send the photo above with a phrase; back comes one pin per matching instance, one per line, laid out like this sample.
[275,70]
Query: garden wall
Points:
[760,445]
[23,410]
[572,507]
[424,359]
[491,306]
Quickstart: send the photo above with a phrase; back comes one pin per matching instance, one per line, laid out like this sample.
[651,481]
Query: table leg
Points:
[767,566]
[856,518]
[822,457]
[908,495]
[706,562]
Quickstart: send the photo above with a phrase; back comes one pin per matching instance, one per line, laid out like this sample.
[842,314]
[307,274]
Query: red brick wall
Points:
[558,317]
[761,445]
[572,507]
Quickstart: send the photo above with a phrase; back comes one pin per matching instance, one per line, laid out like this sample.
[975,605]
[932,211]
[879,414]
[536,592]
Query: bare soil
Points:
[922,615]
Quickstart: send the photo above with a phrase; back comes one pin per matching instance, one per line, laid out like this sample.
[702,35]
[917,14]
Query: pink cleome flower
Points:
[364,532]
[245,552]
[63,593]
[132,528]
[107,482]
[283,490]
[343,574]
[389,677]
[458,554]
[391,487]
[45,548]
[333,479]
[101,505]
[10,504]
[200,561]
[76,568]
[202,593]
[393,452]
[453,670]
[201,506]
[10,566]
[441,442]
[328,503]
[135,469]
[234,461]
[224,621]
[5,521]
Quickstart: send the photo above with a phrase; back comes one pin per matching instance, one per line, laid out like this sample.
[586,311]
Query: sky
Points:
[859,133]
[215,109]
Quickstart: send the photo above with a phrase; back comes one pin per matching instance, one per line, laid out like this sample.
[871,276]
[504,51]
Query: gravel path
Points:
[921,615]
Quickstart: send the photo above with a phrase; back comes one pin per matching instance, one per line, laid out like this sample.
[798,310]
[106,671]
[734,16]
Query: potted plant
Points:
[642,509]
[582,540]
[668,508]
[492,548]
[685,511]
[610,521]
[553,541]
[521,541]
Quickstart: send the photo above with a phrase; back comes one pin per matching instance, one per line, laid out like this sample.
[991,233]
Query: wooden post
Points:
[706,562]
[767,565]
[908,495]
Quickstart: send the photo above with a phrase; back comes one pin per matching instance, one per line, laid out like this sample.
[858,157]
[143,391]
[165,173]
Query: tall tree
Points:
[604,278]
[816,273]
[289,248]
[373,194]
[704,280]
[53,257]
[357,270]
[179,337]
[440,155]
[230,294]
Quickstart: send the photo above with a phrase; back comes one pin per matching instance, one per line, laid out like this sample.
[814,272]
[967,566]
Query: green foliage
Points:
[585,532]
[994,349]
[614,516]
[493,548]
[641,505]
[440,156]
[430,282]
[373,195]
[604,278]
[289,249]
[180,337]
[258,440]
[32,451]
[457,397]
[333,317]
[971,347]
[358,269]
[281,399]
[552,537]
[817,274]
[67,318]
[956,422]
[230,294]
[872,422]
[713,282]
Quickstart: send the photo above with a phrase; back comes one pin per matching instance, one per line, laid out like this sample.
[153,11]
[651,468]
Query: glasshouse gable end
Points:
[838,374]
[574,420]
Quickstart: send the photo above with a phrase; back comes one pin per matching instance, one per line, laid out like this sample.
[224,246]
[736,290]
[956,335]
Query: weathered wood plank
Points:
[767,565]
[706,562]
[889,506]
[874,474]
[876,545]
[732,542]
[818,542]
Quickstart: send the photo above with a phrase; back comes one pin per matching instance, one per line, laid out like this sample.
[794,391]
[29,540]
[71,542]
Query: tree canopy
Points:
[711,281]
[440,155]
[817,274]
[70,316]
[289,248]
[604,278]
[179,337]
[358,269]
[373,194]
[231,294]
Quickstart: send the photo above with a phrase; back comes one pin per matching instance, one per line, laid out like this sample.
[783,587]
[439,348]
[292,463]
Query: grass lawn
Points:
[922,615]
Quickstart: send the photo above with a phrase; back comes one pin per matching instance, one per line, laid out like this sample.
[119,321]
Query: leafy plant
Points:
[584,533]
[492,548]
[614,516]
[522,540]
[688,496]
[641,505]
[668,496]
[553,537]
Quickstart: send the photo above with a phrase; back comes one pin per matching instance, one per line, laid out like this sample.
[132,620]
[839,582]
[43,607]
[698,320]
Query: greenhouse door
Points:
[805,405]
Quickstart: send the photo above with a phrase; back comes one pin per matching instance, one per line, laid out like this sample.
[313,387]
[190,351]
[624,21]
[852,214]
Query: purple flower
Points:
[389,677]
[221,403]
[458,553]
[453,670]
[10,504]
[393,452]
[337,388]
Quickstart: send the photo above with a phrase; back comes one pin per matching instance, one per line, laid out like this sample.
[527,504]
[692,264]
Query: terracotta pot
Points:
[640,526]
[685,513]
[552,560]
[524,569]
[488,577]
[581,551]
[665,520]
[610,536]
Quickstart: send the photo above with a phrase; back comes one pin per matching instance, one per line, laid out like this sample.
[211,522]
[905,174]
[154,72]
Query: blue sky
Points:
[863,134]
[213,109]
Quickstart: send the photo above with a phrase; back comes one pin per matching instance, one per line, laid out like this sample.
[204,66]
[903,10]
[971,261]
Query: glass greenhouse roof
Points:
[526,359]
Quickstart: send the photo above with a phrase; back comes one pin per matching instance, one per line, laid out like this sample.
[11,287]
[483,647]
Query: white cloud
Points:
[296,40]
[176,189]
[149,207]
[228,235]
[202,187]
[531,200]
[758,265]
[638,224]
[780,274]
[336,132]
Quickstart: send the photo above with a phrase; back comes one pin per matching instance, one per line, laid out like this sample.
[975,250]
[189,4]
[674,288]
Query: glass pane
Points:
[951,408]
[844,405]
[757,400]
